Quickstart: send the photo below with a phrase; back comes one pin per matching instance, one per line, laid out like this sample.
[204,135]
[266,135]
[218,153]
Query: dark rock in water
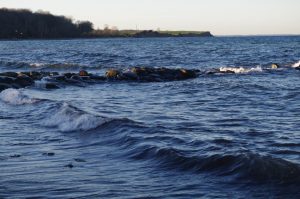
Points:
[49,154]
[24,81]
[275,66]
[49,74]
[7,80]
[83,73]
[54,73]
[10,74]
[35,75]
[147,74]
[4,86]
[15,156]
[51,86]
[112,74]
[79,160]
[70,165]
[76,77]
[130,75]
[137,74]
[69,75]
[60,78]
[212,71]
[97,78]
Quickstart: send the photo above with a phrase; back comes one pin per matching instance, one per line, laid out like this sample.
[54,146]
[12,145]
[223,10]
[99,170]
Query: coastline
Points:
[135,36]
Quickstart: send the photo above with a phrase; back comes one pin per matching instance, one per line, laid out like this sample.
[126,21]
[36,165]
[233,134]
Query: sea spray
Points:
[16,97]
[296,65]
[240,69]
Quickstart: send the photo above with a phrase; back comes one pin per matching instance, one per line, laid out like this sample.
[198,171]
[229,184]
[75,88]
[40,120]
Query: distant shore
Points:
[22,24]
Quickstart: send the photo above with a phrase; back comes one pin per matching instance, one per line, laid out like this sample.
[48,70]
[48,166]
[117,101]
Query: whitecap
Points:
[240,69]
[16,97]
[68,118]
[296,65]
[36,65]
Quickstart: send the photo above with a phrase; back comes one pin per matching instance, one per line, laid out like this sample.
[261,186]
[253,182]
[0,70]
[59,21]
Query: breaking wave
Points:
[68,118]
[16,97]
[297,64]
[239,70]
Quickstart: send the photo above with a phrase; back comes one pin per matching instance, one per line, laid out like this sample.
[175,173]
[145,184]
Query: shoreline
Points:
[123,37]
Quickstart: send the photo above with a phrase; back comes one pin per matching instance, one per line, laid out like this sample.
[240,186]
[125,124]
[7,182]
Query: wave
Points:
[296,65]
[246,166]
[239,70]
[16,97]
[11,65]
[68,118]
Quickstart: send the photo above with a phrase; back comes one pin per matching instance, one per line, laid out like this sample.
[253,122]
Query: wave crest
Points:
[296,65]
[16,97]
[246,166]
[68,118]
[240,70]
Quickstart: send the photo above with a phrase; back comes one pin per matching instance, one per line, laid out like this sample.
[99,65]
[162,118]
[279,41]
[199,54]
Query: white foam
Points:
[296,65]
[68,119]
[36,65]
[16,97]
[240,69]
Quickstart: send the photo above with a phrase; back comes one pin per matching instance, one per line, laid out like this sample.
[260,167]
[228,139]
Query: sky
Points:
[221,17]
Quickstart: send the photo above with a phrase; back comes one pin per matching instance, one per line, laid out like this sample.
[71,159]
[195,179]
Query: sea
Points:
[224,135]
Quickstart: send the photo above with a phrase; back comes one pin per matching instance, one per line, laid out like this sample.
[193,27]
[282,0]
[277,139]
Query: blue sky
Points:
[221,17]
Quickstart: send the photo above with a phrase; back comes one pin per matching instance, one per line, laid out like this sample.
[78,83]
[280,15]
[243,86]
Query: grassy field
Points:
[183,32]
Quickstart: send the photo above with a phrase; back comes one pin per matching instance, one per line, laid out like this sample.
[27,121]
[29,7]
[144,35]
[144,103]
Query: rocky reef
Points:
[55,80]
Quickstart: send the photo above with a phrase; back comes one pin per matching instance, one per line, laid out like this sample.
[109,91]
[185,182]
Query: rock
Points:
[275,66]
[186,74]
[76,77]
[70,165]
[51,86]
[49,154]
[60,78]
[69,75]
[7,80]
[53,74]
[15,156]
[112,73]
[35,75]
[10,74]
[98,78]
[129,75]
[83,73]
[79,160]
[4,86]
[23,81]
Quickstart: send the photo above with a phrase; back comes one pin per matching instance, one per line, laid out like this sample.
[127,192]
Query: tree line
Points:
[25,24]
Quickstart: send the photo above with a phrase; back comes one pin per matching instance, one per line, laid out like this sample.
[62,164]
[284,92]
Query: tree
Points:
[85,27]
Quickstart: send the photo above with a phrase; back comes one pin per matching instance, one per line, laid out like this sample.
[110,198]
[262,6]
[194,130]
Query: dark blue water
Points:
[216,136]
